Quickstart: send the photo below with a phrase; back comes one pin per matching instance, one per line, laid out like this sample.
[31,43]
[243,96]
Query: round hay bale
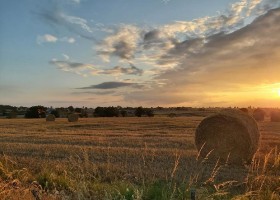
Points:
[50,118]
[275,116]
[172,115]
[259,114]
[73,117]
[230,135]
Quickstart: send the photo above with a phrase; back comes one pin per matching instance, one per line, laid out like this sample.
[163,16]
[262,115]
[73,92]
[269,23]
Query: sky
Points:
[140,53]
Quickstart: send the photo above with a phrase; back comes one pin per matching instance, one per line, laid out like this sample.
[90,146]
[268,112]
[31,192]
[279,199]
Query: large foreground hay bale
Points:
[73,117]
[275,116]
[230,135]
[50,118]
[259,114]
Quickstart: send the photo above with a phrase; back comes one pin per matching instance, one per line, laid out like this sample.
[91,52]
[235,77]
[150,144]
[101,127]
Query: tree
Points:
[139,111]
[99,112]
[124,113]
[12,115]
[149,112]
[106,112]
[111,112]
[55,113]
[4,112]
[71,109]
[36,112]
[78,110]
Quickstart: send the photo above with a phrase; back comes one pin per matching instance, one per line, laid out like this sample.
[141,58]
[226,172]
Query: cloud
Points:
[163,46]
[58,18]
[66,57]
[82,69]
[180,50]
[221,66]
[199,62]
[76,1]
[69,64]
[118,70]
[227,21]
[260,7]
[122,43]
[46,38]
[170,40]
[152,38]
[88,69]
[109,85]
[101,93]
[68,40]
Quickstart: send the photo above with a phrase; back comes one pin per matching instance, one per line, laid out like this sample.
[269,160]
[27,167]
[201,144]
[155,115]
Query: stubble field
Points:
[127,158]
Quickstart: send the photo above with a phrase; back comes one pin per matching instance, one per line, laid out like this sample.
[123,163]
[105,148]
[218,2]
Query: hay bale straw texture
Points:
[275,116]
[230,135]
[50,118]
[259,114]
[73,117]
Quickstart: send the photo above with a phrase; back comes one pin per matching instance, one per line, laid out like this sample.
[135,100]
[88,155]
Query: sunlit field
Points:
[127,158]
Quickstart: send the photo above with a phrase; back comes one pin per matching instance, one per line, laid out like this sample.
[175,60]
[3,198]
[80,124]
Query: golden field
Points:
[127,158]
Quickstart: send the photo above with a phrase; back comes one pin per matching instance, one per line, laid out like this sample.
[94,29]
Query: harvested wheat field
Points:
[127,158]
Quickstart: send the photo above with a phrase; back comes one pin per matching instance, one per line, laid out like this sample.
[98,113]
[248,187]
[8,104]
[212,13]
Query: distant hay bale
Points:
[73,117]
[230,135]
[275,116]
[245,110]
[172,115]
[50,118]
[259,114]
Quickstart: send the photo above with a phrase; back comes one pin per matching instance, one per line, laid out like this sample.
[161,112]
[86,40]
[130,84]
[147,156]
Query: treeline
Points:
[119,111]
[42,111]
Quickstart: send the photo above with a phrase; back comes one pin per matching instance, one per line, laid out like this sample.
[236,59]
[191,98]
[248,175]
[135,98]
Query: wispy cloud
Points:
[70,66]
[118,70]
[102,92]
[46,38]
[57,18]
[86,69]
[109,85]
[68,40]
[228,21]
[166,1]
[76,1]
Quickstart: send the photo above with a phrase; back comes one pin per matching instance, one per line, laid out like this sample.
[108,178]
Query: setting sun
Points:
[279,92]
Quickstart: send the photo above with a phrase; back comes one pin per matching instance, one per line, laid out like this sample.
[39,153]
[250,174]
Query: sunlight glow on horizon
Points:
[271,91]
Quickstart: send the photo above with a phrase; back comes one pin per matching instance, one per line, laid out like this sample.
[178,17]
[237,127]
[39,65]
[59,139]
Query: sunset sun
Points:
[279,92]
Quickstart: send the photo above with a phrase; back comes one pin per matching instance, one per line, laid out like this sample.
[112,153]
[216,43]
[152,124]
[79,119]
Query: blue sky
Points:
[131,53]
